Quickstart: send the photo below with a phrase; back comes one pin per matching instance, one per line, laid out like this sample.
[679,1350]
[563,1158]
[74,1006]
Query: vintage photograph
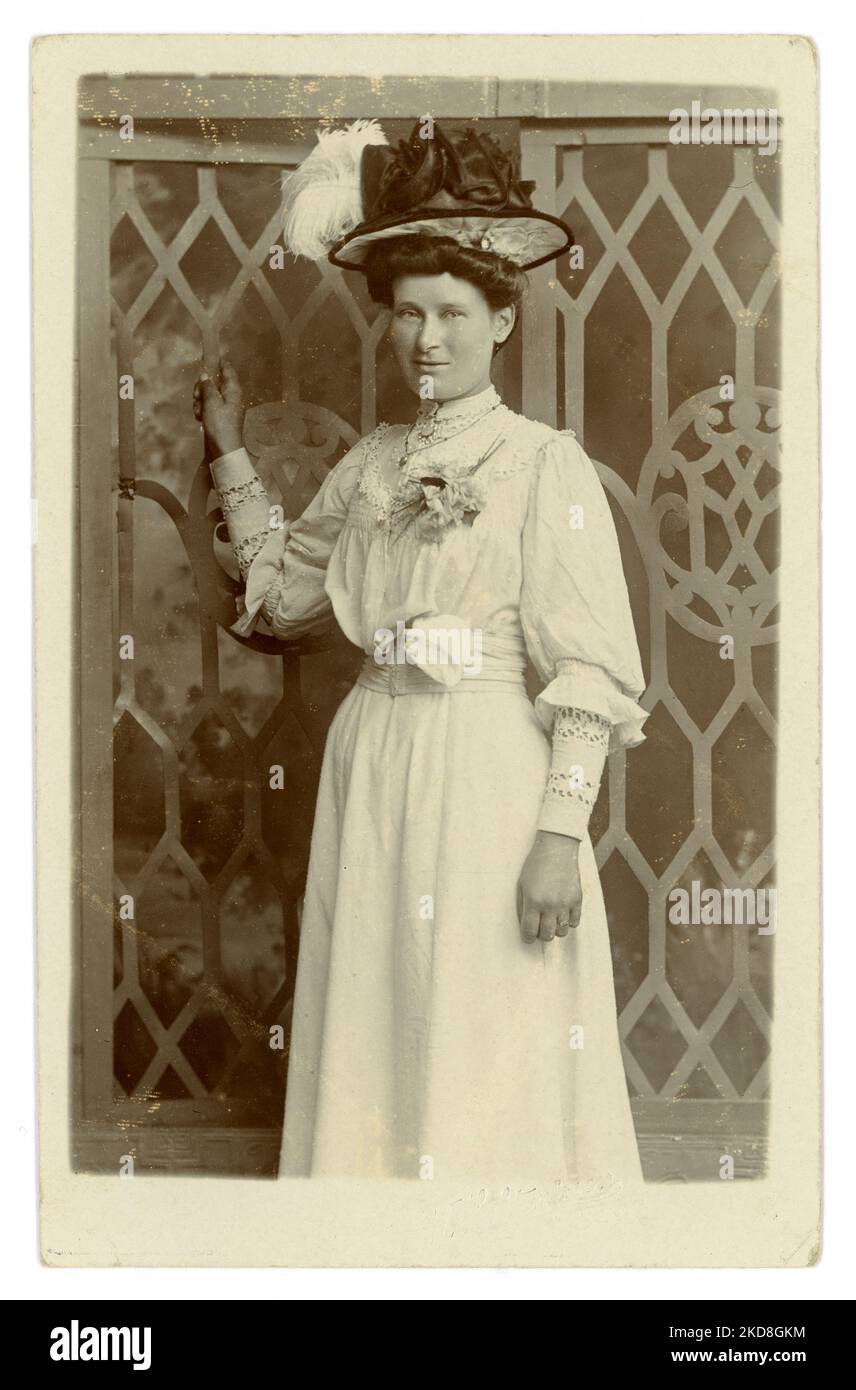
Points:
[429,470]
[423,609]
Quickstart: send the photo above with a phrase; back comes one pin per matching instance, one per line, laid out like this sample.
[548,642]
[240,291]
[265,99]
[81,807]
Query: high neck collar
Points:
[460,408]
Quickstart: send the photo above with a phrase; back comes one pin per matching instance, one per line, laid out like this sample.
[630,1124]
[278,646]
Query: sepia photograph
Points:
[427,566]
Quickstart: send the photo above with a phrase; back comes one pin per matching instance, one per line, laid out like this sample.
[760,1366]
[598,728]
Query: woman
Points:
[454,1008]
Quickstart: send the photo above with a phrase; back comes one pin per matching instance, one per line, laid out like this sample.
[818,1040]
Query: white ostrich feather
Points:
[321,198]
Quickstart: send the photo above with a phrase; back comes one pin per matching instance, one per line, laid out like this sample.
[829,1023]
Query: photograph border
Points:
[162,1220]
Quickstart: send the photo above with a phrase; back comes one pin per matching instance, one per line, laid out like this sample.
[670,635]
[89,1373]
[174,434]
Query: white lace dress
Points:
[428,1038]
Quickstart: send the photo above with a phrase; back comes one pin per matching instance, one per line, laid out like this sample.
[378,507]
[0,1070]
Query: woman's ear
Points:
[503,322]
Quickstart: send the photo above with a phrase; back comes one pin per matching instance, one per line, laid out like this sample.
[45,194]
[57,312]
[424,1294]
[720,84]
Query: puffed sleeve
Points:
[575,610]
[283,563]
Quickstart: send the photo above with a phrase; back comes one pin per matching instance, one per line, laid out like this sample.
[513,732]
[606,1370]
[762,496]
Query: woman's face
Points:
[442,328]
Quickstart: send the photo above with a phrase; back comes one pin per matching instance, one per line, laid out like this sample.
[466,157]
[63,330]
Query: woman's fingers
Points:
[530,923]
[229,382]
[544,925]
[548,926]
[536,925]
[568,918]
[205,391]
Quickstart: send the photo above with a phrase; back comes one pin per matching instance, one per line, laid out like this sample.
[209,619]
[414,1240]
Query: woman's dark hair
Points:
[501,282]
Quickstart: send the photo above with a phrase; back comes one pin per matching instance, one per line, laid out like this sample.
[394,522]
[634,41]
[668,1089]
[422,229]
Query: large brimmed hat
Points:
[356,189]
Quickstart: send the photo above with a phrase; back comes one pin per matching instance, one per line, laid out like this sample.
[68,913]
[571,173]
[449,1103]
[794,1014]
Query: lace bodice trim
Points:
[521,451]
[371,485]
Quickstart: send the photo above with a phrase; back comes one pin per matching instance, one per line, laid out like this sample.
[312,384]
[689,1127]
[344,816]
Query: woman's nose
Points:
[428,336]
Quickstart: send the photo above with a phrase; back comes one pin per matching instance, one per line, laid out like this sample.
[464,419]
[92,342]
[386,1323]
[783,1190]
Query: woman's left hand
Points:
[549,894]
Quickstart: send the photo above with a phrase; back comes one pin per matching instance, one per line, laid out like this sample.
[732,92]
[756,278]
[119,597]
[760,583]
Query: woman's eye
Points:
[413,314]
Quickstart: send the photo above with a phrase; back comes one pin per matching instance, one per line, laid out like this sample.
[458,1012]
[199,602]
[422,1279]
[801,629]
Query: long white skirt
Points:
[428,1039]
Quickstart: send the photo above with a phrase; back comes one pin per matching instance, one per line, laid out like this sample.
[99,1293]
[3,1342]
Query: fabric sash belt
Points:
[421,666]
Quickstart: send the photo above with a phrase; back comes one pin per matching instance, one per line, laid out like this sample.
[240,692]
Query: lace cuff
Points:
[232,498]
[580,746]
[581,686]
[245,505]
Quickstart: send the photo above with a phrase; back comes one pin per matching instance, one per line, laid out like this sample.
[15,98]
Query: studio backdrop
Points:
[659,348]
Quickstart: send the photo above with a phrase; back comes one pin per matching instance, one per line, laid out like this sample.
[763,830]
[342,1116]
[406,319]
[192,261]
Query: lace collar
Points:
[462,409]
[437,421]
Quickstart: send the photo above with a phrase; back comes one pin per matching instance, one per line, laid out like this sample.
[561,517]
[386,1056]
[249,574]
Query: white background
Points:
[22,1275]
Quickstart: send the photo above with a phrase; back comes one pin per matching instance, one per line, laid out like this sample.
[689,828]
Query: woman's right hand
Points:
[549,891]
[219,407]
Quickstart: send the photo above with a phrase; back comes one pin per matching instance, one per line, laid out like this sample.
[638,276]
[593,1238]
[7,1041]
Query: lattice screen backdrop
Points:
[678,291]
